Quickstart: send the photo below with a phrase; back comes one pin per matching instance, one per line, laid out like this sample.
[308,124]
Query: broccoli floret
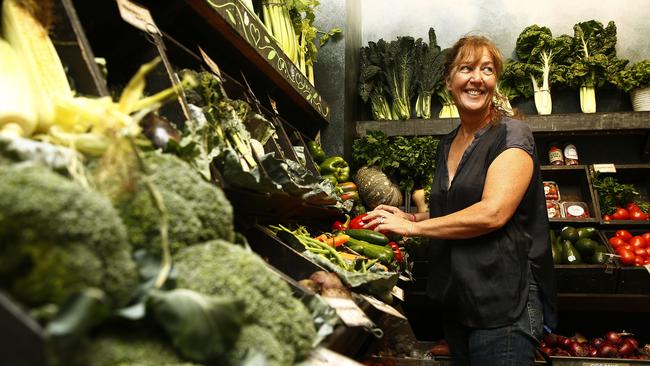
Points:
[57,237]
[198,210]
[221,268]
[133,348]
[254,338]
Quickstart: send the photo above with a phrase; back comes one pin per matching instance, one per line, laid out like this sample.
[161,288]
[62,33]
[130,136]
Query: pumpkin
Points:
[376,189]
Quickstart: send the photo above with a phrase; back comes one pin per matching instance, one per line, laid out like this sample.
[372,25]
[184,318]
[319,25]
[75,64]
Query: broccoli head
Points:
[134,347]
[198,210]
[221,268]
[57,237]
[256,339]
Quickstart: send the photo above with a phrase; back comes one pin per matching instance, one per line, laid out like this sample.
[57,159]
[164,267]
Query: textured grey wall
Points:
[503,20]
[336,71]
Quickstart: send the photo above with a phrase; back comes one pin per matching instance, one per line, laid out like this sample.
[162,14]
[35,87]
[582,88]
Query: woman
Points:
[491,268]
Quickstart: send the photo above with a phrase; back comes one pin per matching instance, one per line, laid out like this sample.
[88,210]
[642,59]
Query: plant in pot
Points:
[594,61]
[636,81]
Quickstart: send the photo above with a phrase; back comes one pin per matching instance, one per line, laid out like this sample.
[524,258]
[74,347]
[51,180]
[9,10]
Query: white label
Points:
[322,356]
[604,364]
[647,267]
[575,210]
[398,293]
[349,312]
[383,307]
[137,16]
[605,168]
[571,258]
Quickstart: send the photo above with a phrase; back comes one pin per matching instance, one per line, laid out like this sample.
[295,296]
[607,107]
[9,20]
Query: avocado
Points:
[599,257]
[569,233]
[586,246]
[570,254]
[586,232]
[557,251]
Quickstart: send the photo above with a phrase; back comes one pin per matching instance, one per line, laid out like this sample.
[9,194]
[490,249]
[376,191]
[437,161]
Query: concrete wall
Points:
[503,20]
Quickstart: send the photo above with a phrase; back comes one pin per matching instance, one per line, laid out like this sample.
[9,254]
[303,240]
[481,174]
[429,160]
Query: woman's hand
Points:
[390,219]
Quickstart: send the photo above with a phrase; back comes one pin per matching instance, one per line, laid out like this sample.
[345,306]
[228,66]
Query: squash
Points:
[375,188]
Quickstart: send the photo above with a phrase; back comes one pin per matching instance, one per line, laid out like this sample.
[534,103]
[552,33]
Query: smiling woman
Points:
[491,269]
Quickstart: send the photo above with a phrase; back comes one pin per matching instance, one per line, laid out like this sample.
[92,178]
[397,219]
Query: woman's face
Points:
[472,82]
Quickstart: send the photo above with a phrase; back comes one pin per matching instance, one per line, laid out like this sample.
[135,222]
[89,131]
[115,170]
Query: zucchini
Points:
[370,236]
[383,254]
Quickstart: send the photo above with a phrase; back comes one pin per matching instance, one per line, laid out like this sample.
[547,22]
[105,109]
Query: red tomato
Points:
[620,214]
[637,242]
[646,236]
[647,260]
[624,234]
[638,261]
[632,207]
[627,257]
[638,215]
[640,252]
[607,217]
[616,241]
[627,247]
[647,252]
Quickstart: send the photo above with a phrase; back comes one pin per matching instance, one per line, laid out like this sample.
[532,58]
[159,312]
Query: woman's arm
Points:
[507,180]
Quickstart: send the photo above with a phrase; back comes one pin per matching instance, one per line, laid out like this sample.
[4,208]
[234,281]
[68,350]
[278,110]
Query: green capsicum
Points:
[316,151]
[331,178]
[337,167]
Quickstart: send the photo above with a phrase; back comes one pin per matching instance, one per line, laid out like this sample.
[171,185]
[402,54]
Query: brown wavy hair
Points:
[469,47]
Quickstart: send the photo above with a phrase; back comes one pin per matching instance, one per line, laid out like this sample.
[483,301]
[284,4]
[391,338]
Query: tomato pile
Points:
[634,250]
[611,345]
[630,212]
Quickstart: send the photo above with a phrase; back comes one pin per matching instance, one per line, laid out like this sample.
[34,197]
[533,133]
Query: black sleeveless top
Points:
[485,279]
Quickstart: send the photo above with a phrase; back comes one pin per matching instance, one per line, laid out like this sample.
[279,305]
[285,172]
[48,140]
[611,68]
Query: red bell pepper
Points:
[341,226]
[398,252]
[358,222]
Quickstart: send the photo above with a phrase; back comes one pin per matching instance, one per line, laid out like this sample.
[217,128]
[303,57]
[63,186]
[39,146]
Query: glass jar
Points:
[555,155]
[570,154]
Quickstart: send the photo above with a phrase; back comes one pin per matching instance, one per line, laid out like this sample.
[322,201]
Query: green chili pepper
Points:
[337,167]
[316,151]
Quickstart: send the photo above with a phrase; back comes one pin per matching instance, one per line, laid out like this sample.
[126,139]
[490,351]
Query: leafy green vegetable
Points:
[202,328]
[372,82]
[398,62]
[408,160]
[612,194]
[636,76]
[594,60]
[429,76]
[542,59]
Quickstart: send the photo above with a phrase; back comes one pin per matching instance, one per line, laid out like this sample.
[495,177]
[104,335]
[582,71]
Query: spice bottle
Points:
[555,155]
[570,154]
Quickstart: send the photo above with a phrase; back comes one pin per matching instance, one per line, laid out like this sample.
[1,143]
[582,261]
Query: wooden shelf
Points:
[246,33]
[570,123]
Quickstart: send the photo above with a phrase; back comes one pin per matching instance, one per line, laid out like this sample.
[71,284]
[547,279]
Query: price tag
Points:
[604,364]
[647,267]
[398,293]
[605,168]
[349,312]
[137,16]
[383,307]
[324,357]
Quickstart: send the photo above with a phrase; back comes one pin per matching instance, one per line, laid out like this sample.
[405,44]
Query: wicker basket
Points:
[640,99]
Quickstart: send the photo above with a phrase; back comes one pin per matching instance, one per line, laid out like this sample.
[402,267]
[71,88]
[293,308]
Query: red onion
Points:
[607,351]
[613,338]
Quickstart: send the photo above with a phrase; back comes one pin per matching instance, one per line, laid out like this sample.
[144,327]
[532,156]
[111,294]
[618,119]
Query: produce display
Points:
[578,245]
[633,250]
[620,201]
[610,345]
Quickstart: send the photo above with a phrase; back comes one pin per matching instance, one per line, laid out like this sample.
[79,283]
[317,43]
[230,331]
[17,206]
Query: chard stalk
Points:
[588,99]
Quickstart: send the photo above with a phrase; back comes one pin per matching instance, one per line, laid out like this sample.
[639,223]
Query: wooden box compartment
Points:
[588,278]
[635,174]
[574,184]
[632,279]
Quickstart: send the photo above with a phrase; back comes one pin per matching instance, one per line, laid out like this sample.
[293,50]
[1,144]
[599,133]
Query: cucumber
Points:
[372,251]
[370,236]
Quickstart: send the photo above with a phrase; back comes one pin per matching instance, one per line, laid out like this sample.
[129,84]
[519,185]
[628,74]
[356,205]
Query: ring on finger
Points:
[381,219]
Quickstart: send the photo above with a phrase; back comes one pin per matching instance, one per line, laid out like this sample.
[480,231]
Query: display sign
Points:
[324,357]
[383,307]
[137,16]
[349,312]
[604,364]
[605,168]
